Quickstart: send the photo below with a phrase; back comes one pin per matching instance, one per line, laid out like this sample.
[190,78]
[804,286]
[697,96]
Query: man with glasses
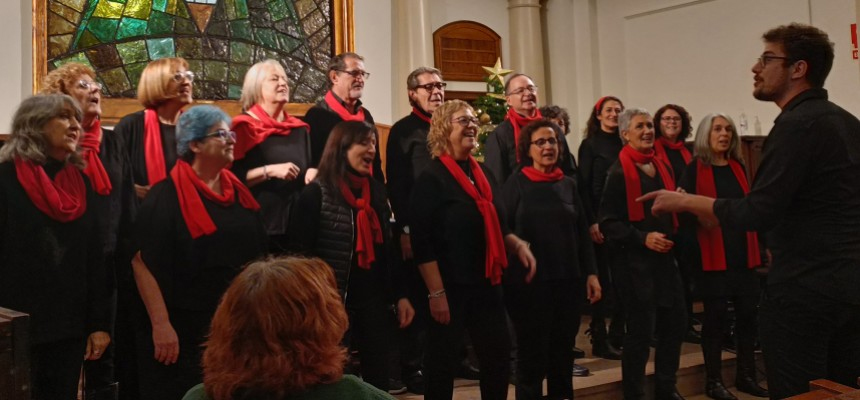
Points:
[500,153]
[407,155]
[346,76]
[806,196]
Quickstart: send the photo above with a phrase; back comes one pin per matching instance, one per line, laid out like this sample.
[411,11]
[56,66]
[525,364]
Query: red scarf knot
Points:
[90,149]
[711,240]
[341,111]
[156,167]
[252,131]
[64,199]
[496,260]
[519,121]
[662,143]
[534,175]
[629,157]
[421,114]
[369,231]
[189,186]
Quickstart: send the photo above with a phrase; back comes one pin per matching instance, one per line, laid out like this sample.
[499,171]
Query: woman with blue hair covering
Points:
[196,229]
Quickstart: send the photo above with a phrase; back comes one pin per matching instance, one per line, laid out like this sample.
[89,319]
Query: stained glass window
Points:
[220,39]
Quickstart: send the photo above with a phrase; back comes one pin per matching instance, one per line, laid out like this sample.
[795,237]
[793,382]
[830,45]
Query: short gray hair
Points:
[27,140]
[194,125]
[412,79]
[627,116]
[702,145]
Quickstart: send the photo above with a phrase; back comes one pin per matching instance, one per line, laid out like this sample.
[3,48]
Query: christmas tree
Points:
[491,107]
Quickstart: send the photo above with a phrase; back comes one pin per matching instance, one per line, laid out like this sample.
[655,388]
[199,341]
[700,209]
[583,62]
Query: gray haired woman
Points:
[50,247]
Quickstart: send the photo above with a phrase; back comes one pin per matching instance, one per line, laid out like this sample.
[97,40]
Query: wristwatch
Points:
[405,229]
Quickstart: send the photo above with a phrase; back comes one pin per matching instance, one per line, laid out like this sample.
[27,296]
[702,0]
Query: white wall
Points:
[373,41]
[16,65]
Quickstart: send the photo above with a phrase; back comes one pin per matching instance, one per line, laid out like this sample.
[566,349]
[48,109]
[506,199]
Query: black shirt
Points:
[806,194]
[117,208]
[500,153]
[596,154]
[49,269]
[276,196]
[549,215]
[407,156]
[133,134]
[447,227]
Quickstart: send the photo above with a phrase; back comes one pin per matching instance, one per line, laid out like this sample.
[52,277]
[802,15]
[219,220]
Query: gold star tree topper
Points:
[496,72]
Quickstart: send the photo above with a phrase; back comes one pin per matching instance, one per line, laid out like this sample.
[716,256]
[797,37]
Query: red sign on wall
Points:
[854,40]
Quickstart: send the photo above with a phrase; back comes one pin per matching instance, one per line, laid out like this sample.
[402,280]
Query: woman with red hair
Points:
[277,334]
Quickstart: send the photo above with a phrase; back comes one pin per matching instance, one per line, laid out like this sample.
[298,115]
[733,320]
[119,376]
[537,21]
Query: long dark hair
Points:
[334,164]
[593,125]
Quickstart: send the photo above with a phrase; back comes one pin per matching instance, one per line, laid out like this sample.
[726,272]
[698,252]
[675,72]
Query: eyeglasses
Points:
[179,76]
[88,85]
[763,60]
[356,73]
[544,141]
[222,134]
[465,121]
[530,88]
[430,86]
[670,119]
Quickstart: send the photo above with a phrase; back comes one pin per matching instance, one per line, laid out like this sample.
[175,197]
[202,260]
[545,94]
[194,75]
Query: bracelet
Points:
[265,174]
[438,293]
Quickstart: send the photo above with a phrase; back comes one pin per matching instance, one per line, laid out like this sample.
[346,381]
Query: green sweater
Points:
[348,388]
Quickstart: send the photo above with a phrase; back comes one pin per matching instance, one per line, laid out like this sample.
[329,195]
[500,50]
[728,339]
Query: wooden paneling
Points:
[461,48]
[14,355]
[751,147]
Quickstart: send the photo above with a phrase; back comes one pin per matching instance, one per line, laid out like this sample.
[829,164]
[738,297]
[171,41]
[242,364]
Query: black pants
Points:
[100,373]
[158,381]
[55,369]
[478,309]
[610,305]
[806,336]
[546,318]
[716,309]
[371,332]
[644,319]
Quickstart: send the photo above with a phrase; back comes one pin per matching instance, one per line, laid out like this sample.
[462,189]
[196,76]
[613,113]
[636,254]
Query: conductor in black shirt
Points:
[806,195]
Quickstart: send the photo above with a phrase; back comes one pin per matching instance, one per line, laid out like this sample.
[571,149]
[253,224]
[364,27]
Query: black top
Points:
[322,119]
[649,275]
[596,154]
[447,227]
[738,278]
[50,269]
[806,194]
[193,273]
[131,129]
[117,208]
[500,153]
[364,284]
[676,161]
[407,156]
[276,196]
[548,215]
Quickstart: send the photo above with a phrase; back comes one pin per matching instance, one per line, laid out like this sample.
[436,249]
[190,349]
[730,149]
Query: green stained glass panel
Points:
[66,13]
[59,26]
[138,9]
[74,57]
[241,52]
[130,27]
[103,29]
[305,7]
[196,66]
[241,29]
[217,29]
[132,52]
[241,8]
[134,71]
[76,4]
[188,48]
[87,40]
[230,9]
[58,44]
[108,9]
[266,37]
[215,70]
[160,48]
[185,27]
[116,80]
[159,5]
[104,57]
[288,44]
[234,92]
[237,74]
[181,11]
[159,24]
[312,22]
[278,10]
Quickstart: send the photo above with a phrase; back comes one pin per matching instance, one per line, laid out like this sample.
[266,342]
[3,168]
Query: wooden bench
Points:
[821,389]
[14,355]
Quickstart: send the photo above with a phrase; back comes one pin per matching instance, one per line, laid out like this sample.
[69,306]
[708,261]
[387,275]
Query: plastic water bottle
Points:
[743,126]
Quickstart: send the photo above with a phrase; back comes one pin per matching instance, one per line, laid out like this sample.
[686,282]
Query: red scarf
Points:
[366,221]
[95,170]
[64,199]
[341,111]
[519,121]
[156,168]
[496,259]
[660,148]
[252,131]
[711,240]
[421,114]
[629,158]
[534,175]
[189,187]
